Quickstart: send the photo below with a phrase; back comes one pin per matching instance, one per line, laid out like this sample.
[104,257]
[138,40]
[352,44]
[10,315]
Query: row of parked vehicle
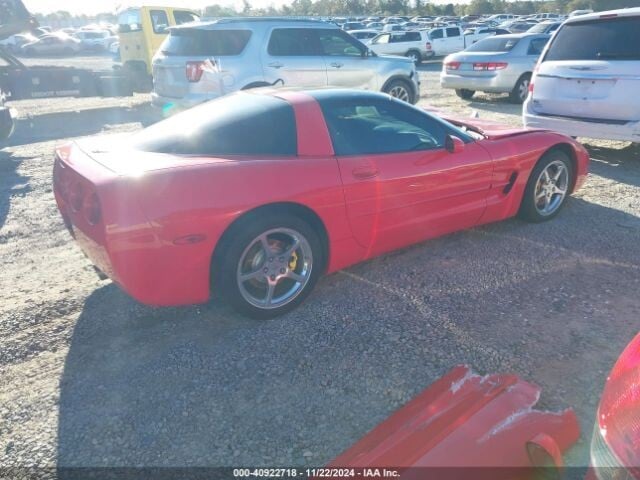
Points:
[66,41]
[584,85]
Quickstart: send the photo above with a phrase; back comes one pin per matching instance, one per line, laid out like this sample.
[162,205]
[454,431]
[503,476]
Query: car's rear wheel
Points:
[548,187]
[521,90]
[268,265]
[414,55]
[465,94]
[399,89]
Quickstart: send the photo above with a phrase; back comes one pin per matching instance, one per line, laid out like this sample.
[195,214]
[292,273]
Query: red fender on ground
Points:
[483,426]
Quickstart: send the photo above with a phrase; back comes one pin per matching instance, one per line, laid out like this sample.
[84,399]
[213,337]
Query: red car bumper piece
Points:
[467,426]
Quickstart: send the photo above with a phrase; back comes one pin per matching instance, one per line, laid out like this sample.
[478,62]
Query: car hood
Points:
[114,153]
[489,129]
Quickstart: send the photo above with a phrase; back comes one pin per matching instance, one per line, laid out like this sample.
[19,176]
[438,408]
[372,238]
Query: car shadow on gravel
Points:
[11,183]
[201,386]
[54,126]
[619,164]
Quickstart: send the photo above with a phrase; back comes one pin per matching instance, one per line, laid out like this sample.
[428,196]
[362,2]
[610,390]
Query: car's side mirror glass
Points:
[454,144]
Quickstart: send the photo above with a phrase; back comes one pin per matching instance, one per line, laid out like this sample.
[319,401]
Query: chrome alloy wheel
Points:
[551,188]
[274,268]
[400,92]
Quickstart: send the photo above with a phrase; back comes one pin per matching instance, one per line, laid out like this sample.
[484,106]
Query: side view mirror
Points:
[454,144]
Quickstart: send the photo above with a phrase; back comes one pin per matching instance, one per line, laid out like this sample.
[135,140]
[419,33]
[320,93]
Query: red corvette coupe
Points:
[255,195]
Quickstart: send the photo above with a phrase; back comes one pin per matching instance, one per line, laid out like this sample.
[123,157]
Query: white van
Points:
[587,82]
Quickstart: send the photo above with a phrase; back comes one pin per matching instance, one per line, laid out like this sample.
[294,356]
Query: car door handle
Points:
[365,171]
[337,65]
[275,65]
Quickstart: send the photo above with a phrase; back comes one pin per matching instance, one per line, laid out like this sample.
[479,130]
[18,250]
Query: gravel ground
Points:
[89,377]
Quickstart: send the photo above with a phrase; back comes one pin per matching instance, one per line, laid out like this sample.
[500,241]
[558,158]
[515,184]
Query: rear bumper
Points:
[501,82]
[628,132]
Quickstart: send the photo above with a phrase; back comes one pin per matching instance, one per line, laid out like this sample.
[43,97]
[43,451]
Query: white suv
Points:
[199,62]
[588,78]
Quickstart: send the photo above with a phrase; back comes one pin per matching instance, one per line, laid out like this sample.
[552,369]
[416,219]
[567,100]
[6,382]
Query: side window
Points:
[536,46]
[293,42]
[369,127]
[413,36]
[397,38]
[436,34]
[180,16]
[159,21]
[337,43]
[453,32]
[381,39]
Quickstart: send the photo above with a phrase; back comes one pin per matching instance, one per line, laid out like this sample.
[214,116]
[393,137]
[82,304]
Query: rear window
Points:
[222,127]
[200,43]
[494,44]
[612,39]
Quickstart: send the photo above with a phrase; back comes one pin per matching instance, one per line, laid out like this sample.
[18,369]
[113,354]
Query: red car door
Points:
[401,184]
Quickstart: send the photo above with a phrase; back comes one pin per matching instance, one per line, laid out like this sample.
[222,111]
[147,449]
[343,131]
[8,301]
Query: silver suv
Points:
[201,61]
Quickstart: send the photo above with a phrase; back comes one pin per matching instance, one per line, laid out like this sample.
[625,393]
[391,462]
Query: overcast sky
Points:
[97,6]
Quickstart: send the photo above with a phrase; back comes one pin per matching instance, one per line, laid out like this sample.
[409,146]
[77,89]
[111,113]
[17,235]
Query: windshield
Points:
[610,39]
[494,44]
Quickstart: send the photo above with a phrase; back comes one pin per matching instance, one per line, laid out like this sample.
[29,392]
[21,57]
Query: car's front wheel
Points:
[415,56]
[399,89]
[267,266]
[548,187]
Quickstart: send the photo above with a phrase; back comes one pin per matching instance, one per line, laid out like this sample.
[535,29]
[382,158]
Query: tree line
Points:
[375,7]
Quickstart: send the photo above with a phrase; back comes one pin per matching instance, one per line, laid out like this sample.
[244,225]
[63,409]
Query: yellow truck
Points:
[141,31]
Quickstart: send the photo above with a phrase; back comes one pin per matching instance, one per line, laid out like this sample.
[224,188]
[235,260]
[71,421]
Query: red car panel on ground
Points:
[162,215]
[480,425]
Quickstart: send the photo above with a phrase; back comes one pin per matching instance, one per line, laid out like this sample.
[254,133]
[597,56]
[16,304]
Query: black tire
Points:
[465,94]
[400,89]
[232,249]
[414,55]
[6,123]
[529,210]
[521,90]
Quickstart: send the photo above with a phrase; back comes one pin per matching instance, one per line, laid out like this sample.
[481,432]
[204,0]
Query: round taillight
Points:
[76,197]
[92,212]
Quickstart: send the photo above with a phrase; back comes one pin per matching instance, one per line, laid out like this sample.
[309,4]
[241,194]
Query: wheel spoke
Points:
[271,288]
[546,176]
[295,276]
[559,190]
[245,277]
[264,241]
[290,251]
[558,174]
[540,196]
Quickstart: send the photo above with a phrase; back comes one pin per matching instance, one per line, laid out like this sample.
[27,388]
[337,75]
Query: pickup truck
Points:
[452,39]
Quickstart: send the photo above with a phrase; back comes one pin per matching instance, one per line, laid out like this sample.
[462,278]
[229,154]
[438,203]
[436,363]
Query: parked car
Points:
[258,52]
[549,26]
[446,40]
[501,64]
[353,26]
[15,42]
[374,26]
[95,40]
[393,27]
[521,27]
[587,81]
[412,45]
[189,206]
[52,45]
[364,35]
[473,35]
